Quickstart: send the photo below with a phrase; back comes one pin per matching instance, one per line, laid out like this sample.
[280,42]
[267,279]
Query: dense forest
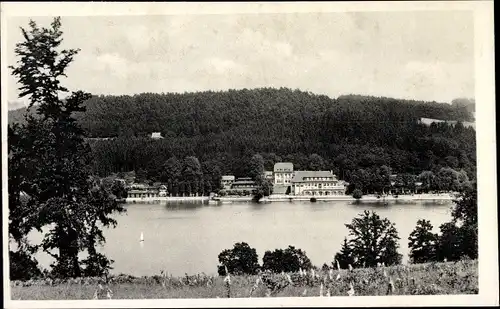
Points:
[224,129]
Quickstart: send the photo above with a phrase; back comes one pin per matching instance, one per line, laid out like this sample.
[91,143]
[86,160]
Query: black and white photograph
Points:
[248,154]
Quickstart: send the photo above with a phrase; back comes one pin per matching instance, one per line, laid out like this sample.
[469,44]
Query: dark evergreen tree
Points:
[256,167]
[423,243]
[345,257]
[458,238]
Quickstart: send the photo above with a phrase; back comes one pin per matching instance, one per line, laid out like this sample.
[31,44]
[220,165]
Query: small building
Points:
[121,181]
[316,183]
[148,192]
[241,185]
[244,183]
[142,193]
[156,135]
[227,181]
[430,121]
[162,191]
[268,175]
[283,173]
[138,186]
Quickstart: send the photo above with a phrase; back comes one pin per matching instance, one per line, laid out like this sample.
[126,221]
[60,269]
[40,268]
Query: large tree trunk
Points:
[68,253]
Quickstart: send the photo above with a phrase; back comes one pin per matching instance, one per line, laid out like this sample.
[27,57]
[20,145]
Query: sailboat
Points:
[142,236]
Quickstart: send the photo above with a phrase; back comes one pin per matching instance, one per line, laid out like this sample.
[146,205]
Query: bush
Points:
[242,259]
[288,260]
[357,194]
[23,267]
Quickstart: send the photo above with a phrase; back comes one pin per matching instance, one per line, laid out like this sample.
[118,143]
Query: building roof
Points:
[156,135]
[300,175]
[268,172]
[283,167]
[244,182]
[142,191]
[228,177]
[138,186]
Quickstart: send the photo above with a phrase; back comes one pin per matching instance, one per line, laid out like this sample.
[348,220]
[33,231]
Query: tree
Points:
[374,240]
[264,187]
[357,194]
[191,170]
[53,162]
[428,180]
[119,190]
[171,170]
[316,162]
[361,179]
[422,243]
[256,166]
[140,175]
[22,266]
[287,260]
[345,256]
[459,238]
[449,242]
[192,174]
[408,181]
[382,179]
[242,259]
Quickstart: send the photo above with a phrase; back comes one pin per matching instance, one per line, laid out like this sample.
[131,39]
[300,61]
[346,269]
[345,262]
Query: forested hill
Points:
[228,127]
[215,112]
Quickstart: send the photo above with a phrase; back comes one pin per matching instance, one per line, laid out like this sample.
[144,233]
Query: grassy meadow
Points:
[421,279]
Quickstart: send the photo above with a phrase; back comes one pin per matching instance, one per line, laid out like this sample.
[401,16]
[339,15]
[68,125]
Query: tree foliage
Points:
[357,194]
[373,240]
[345,134]
[242,259]
[422,243]
[290,259]
[345,257]
[49,162]
[459,237]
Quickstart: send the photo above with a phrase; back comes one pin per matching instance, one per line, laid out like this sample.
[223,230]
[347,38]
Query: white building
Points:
[268,175]
[156,135]
[283,173]
[316,183]
[227,181]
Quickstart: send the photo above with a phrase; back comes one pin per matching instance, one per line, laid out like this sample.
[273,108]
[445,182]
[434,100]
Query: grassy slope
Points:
[422,279]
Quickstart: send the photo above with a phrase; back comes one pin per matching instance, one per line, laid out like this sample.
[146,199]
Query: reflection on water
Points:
[187,237]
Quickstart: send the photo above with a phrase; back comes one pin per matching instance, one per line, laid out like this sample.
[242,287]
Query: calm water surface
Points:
[187,237]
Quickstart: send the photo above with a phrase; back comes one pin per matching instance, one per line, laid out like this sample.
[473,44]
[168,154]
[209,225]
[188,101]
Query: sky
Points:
[422,55]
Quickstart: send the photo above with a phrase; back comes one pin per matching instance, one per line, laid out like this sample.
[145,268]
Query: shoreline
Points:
[132,200]
[291,198]
[366,198]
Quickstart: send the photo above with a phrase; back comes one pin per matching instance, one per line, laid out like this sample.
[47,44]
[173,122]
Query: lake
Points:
[187,237]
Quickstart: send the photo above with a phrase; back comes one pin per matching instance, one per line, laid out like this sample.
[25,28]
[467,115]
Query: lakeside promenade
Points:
[291,198]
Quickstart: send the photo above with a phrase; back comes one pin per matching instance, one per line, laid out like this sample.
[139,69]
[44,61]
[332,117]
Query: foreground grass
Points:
[421,279]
